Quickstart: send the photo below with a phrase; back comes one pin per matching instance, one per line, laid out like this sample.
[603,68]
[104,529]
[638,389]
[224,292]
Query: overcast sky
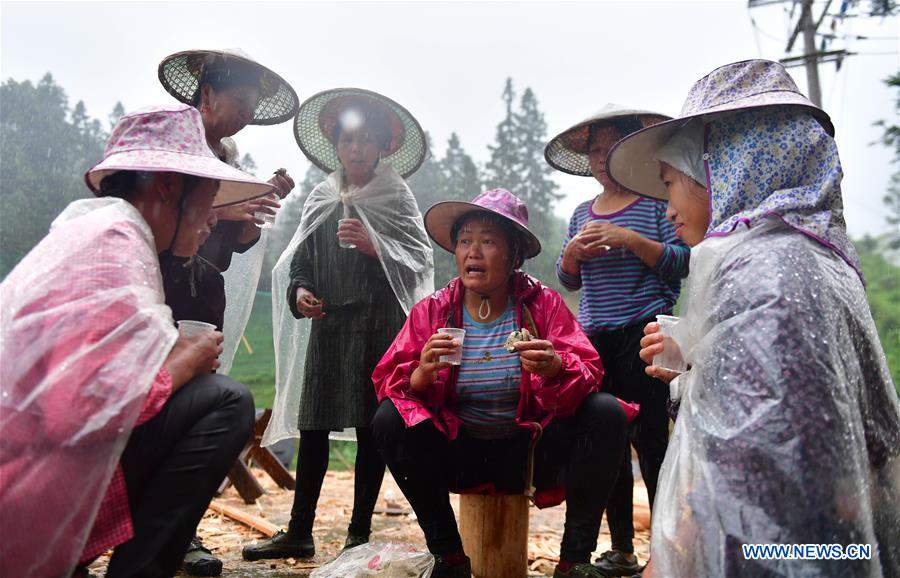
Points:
[446,62]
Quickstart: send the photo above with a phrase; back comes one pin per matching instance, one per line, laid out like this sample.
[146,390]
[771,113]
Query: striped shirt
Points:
[489,379]
[618,289]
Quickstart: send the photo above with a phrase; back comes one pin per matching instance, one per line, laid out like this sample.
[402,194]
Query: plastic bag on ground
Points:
[378,559]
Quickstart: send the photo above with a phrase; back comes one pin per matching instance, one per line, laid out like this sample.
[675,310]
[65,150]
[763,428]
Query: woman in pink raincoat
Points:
[115,433]
[468,427]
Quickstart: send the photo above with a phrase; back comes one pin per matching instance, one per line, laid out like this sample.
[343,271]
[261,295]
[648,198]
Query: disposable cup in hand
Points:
[188,327]
[459,335]
[268,219]
[342,244]
[671,357]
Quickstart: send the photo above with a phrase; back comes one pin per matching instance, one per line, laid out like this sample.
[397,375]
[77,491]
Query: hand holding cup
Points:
[434,357]
[653,345]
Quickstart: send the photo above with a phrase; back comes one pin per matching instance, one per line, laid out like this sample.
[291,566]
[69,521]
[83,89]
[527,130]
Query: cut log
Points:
[255,522]
[494,531]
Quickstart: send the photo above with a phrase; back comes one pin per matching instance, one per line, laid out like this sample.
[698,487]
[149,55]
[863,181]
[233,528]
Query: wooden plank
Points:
[259,524]
[243,479]
[494,531]
[268,462]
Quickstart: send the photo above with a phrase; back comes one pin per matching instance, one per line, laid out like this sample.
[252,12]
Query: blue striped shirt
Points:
[619,289]
[487,388]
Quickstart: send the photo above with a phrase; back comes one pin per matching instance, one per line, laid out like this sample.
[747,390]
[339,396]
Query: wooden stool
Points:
[494,531]
[241,476]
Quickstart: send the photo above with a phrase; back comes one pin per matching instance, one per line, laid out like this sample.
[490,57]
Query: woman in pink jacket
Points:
[467,427]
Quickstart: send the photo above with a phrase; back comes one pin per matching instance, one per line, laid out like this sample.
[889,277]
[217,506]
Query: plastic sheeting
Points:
[392,218]
[84,332]
[241,281]
[789,425]
[378,560]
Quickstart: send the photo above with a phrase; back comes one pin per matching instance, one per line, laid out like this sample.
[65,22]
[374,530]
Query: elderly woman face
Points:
[197,215]
[602,139]
[228,110]
[483,254]
[688,204]
[359,151]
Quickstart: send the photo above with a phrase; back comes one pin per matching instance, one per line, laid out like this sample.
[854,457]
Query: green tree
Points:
[429,185]
[45,150]
[118,112]
[883,293]
[502,170]
[463,182]
[248,164]
[517,164]
[892,202]
[891,138]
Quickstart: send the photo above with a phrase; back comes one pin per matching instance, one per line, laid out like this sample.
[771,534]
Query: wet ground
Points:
[226,537]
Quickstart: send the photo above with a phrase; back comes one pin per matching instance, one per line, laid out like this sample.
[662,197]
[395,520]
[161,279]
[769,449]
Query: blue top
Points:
[619,289]
[488,385]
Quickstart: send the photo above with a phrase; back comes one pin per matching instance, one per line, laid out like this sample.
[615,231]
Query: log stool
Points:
[494,531]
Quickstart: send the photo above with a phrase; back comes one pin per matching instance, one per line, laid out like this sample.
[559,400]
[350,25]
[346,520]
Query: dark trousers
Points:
[649,433]
[173,464]
[586,449]
[312,463]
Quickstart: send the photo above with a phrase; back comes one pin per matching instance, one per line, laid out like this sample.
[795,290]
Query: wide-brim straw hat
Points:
[179,74]
[440,218]
[171,138]
[745,85]
[568,151]
[318,115]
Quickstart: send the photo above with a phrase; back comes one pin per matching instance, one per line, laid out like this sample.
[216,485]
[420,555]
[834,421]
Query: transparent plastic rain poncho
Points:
[788,430]
[392,218]
[241,281]
[84,333]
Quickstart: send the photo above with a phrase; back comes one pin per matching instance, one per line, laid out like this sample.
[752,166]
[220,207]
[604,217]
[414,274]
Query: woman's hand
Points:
[539,357]
[192,356]
[352,231]
[438,345]
[308,305]
[245,211]
[582,250]
[651,346]
[601,233]
[283,182]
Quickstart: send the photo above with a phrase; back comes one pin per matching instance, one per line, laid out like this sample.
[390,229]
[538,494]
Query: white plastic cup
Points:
[607,247]
[671,357]
[459,335]
[342,244]
[188,327]
[268,219]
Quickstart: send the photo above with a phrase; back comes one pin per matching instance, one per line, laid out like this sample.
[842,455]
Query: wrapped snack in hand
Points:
[515,337]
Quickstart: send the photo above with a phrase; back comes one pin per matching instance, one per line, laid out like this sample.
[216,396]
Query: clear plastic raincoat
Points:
[84,333]
[392,218]
[789,426]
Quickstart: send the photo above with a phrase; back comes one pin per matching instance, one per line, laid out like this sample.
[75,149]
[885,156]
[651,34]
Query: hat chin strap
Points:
[181,202]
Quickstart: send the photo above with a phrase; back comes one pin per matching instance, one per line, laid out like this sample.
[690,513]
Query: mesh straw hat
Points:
[171,139]
[180,75]
[315,122]
[568,151]
[738,86]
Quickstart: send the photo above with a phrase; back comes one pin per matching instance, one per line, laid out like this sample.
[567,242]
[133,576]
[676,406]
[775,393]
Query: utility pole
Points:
[809,25]
[809,48]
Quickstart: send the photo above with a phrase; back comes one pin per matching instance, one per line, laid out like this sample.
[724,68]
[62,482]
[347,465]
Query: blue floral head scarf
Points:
[776,161]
